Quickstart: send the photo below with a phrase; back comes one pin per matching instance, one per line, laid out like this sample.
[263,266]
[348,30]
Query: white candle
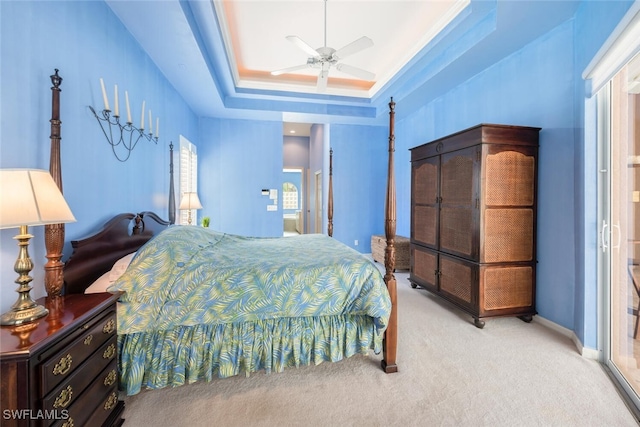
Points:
[104,95]
[157,127]
[115,101]
[126,98]
[150,123]
[142,117]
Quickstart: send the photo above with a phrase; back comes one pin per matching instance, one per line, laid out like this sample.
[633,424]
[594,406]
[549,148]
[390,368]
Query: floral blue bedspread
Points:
[189,275]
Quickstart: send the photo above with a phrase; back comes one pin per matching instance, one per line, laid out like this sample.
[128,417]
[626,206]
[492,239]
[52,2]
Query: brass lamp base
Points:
[24,310]
[25,315]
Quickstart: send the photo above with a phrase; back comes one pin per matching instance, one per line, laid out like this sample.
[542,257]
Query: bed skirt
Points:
[187,354]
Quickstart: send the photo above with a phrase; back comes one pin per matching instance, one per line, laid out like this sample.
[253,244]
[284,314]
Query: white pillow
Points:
[100,285]
[120,267]
[107,279]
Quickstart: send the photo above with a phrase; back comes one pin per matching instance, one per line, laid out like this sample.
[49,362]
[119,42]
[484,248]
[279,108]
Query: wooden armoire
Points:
[473,220]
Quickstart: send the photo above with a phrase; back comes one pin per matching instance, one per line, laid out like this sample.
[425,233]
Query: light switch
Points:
[636,196]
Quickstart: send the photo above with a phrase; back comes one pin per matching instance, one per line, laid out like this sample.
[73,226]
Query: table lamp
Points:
[28,197]
[190,201]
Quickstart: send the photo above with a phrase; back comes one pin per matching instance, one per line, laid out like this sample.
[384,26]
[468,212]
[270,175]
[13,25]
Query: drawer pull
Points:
[68,423]
[109,352]
[109,327]
[63,400]
[111,401]
[87,340]
[111,377]
[63,366]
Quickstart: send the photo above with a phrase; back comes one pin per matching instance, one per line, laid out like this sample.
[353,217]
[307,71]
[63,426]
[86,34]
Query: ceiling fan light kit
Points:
[325,57]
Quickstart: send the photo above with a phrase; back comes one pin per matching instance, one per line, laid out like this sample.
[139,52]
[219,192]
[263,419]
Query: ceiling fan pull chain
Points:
[325,23]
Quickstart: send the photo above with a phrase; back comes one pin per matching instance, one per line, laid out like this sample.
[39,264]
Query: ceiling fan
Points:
[325,57]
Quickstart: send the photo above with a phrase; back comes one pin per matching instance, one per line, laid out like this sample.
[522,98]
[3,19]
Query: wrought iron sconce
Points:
[126,135]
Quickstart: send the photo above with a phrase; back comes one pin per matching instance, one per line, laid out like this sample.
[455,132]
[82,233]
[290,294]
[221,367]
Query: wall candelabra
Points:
[117,134]
[123,137]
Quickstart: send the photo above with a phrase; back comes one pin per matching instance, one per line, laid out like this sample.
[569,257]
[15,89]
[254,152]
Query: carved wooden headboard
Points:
[95,255]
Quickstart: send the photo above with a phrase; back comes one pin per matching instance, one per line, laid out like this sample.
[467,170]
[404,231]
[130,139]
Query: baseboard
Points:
[586,352]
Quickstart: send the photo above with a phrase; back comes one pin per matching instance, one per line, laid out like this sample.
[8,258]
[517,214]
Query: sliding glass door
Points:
[619,221]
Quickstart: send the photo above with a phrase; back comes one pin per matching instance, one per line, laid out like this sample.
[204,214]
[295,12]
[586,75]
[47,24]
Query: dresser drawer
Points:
[61,365]
[64,395]
[97,402]
[107,406]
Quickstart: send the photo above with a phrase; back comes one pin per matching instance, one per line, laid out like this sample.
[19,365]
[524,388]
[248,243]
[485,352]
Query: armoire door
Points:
[424,270]
[458,228]
[458,282]
[424,218]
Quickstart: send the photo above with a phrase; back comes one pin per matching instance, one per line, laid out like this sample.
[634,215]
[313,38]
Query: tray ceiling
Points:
[255,32]
[219,54]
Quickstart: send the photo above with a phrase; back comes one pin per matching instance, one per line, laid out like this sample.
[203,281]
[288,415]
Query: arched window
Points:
[289,196]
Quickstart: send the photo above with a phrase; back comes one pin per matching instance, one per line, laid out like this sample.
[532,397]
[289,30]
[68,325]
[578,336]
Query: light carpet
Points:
[450,374]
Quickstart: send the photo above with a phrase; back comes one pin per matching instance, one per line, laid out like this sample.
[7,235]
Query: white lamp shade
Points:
[189,201]
[31,197]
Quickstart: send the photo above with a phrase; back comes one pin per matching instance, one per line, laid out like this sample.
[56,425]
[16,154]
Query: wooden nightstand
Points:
[62,369]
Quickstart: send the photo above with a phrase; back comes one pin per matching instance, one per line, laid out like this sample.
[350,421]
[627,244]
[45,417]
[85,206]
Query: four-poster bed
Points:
[142,234]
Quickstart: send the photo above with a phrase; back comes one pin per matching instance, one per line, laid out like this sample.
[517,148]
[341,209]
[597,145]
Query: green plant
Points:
[205,221]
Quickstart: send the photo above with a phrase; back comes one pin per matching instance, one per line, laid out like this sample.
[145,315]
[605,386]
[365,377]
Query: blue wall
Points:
[239,158]
[85,41]
[359,183]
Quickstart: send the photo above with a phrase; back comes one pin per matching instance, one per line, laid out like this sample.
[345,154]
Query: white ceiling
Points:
[255,31]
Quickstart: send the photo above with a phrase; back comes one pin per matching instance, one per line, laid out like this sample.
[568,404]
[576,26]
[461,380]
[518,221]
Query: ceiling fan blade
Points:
[356,72]
[290,69]
[302,45]
[323,78]
[353,47]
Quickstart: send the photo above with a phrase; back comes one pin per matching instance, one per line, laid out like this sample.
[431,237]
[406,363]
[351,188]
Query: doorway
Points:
[294,194]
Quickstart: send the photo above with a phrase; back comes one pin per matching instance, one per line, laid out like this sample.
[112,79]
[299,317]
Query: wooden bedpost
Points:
[391,334]
[54,233]
[330,203]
